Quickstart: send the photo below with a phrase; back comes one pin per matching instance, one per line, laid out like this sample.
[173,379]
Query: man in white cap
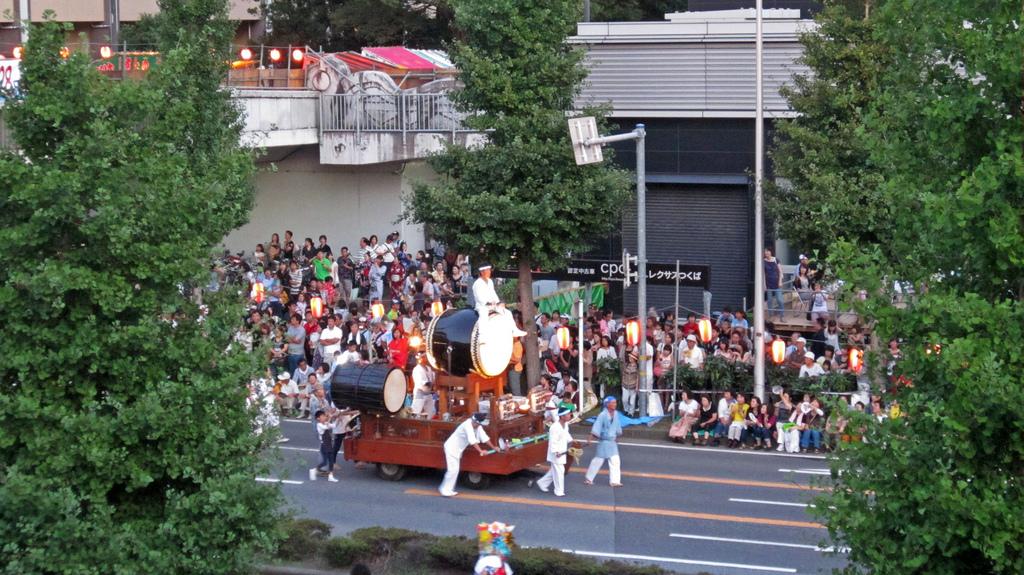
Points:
[558,447]
[810,368]
[469,432]
[422,387]
[692,354]
[489,306]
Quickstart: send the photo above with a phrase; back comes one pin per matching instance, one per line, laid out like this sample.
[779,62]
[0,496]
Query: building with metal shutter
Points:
[691,81]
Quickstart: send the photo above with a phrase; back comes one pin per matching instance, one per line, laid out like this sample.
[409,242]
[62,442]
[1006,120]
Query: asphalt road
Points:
[684,508]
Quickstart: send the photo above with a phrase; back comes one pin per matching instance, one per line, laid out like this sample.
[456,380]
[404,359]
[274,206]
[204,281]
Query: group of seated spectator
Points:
[747,423]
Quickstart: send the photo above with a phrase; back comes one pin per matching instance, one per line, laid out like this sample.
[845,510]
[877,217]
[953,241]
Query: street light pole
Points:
[587,149]
[641,265]
[758,207]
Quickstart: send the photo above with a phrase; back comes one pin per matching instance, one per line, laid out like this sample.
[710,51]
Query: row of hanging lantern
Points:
[275,55]
[105,52]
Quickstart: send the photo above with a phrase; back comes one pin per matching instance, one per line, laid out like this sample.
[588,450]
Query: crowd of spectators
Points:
[320,310]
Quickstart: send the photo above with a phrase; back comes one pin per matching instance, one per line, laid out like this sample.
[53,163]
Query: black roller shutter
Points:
[707,225]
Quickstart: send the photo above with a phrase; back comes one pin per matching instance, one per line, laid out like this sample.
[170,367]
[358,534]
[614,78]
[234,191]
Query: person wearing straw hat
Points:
[489,307]
[558,448]
[606,431]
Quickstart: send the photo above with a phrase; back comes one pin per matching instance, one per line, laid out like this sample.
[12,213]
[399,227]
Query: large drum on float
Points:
[457,344]
[369,388]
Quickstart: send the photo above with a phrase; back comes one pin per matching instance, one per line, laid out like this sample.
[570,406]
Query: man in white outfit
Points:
[469,432]
[422,387]
[487,303]
[558,447]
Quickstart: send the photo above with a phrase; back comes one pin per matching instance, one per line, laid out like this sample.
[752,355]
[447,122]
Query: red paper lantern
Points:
[436,308]
[245,54]
[856,359]
[632,332]
[298,55]
[257,292]
[704,326]
[377,310]
[316,306]
[105,52]
[564,338]
[778,351]
[17,52]
[275,55]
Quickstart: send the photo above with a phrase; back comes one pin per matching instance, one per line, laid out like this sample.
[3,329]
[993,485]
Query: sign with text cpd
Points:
[599,270]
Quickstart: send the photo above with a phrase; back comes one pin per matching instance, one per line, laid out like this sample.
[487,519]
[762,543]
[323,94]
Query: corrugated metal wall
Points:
[687,77]
[707,225]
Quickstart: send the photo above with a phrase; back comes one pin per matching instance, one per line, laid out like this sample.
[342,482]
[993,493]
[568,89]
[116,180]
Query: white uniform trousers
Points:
[614,472]
[451,475]
[555,476]
[424,406]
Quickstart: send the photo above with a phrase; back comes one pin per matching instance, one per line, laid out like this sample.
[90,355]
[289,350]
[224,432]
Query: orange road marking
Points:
[623,509]
[716,480]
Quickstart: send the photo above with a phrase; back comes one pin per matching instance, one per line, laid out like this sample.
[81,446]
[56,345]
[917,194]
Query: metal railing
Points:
[390,113]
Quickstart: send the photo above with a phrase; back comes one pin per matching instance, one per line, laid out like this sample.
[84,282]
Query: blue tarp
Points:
[626,421]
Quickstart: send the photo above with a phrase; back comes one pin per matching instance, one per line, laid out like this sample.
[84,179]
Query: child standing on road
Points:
[325,430]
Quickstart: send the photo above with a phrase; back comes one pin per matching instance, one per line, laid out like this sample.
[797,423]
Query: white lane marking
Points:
[679,561]
[719,450]
[300,449]
[293,420]
[767,543]
[275,480]
[762,502]
[807,471]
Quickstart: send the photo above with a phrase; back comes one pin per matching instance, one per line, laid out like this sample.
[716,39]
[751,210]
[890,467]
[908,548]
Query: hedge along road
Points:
[686,509]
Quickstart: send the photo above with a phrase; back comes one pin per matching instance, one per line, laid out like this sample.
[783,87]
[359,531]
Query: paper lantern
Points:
[632,332]
[778,351]
[436,308]
[257,292]
[64,52]
[105,52]
[275,55]
[377,310]
[704,326]
[245,54]
[415,342]
[298,55]
[17,52]
[564,338]
[856,359]
[316,306]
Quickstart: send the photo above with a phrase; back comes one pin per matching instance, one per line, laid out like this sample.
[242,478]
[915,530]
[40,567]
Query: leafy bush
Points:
[384,540]
[303,538]
[719,375]
[545,561]
[344,551]
[459,553]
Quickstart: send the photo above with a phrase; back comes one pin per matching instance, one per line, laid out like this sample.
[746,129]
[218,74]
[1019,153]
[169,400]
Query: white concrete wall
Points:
[342,202]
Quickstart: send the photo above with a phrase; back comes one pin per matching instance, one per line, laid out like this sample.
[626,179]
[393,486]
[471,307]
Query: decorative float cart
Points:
[470,368]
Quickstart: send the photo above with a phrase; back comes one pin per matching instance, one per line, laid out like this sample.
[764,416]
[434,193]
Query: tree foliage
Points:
[125,443]
[520,199]
[353,24]
[831,189]
[936,491]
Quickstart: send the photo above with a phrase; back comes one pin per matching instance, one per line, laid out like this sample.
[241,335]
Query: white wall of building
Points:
[342,202]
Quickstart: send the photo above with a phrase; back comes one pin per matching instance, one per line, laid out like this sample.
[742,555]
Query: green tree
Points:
[831,189]
[520,199]
[353,24]
[634,10]
[125,442]
[937,491]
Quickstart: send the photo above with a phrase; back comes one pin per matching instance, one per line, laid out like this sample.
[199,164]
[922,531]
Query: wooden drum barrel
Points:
[369,388]
[457,343]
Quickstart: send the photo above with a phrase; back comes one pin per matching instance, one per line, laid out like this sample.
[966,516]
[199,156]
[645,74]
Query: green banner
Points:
[563,301]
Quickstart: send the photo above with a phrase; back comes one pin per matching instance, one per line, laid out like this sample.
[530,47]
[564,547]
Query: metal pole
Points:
[641,264]
[579,388]
[675,355]
[758,215]
[586,10]
[115,22]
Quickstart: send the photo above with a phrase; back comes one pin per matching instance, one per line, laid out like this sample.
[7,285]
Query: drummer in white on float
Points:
[423,387]
[489,306]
